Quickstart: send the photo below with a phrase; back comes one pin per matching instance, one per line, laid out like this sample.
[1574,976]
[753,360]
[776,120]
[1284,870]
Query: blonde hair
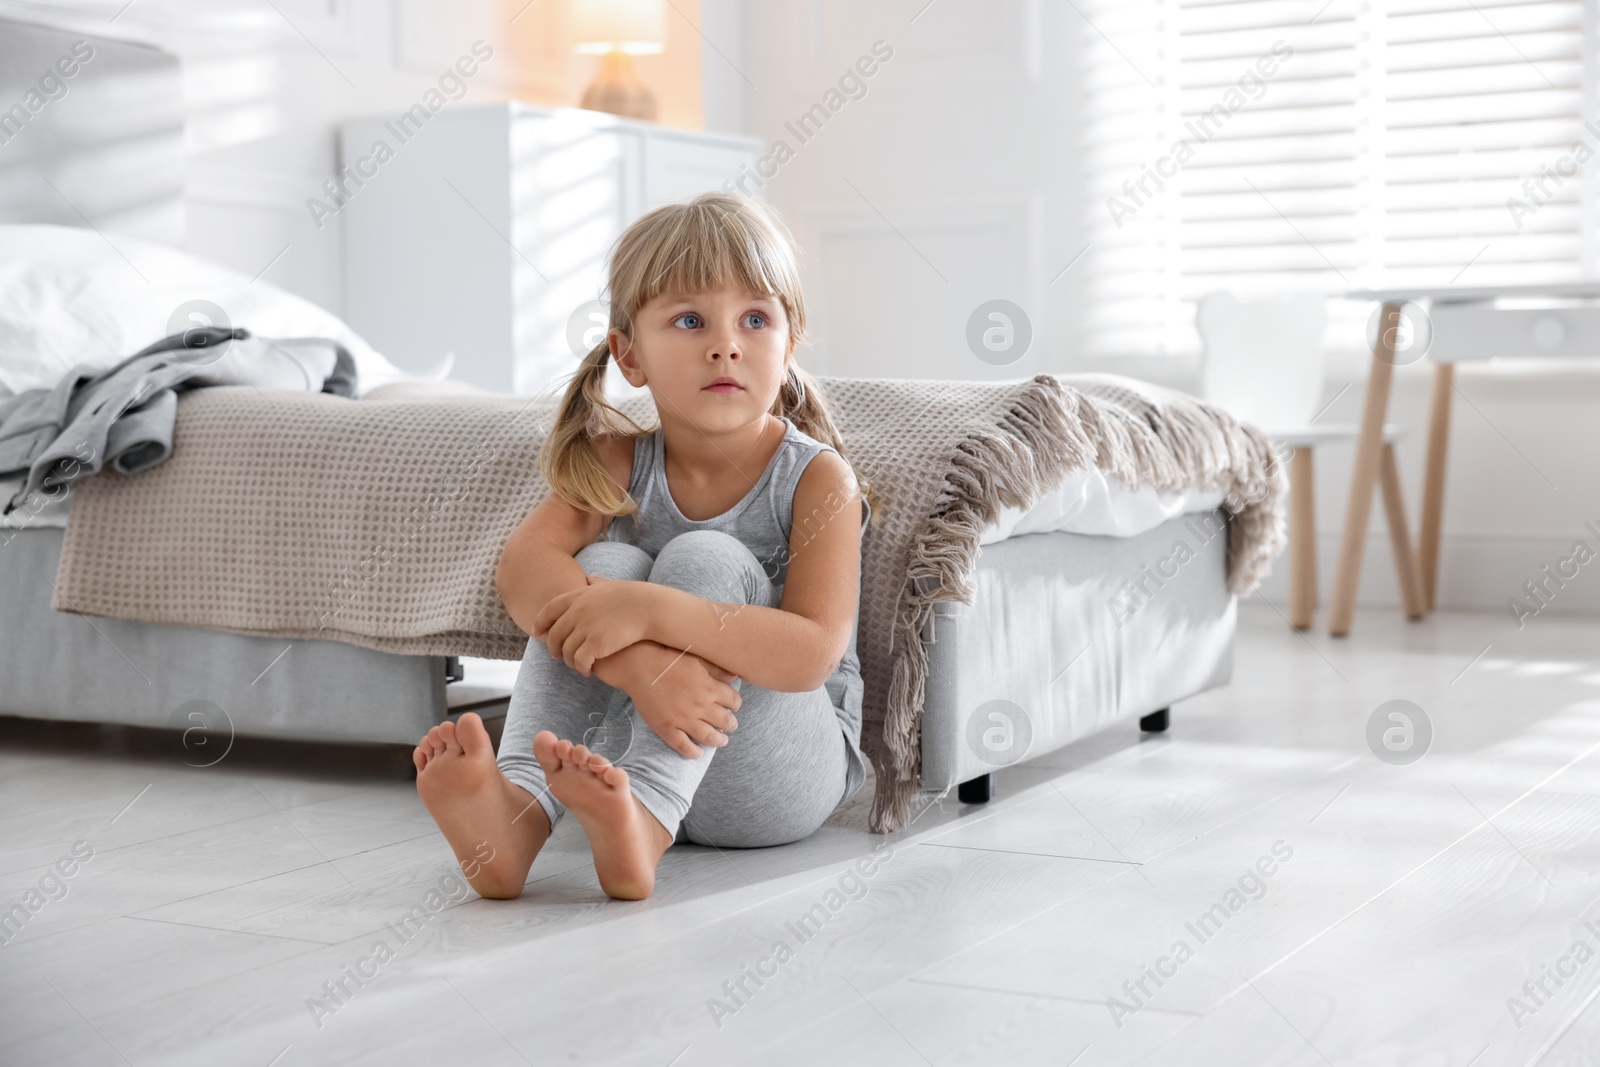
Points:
[691,247]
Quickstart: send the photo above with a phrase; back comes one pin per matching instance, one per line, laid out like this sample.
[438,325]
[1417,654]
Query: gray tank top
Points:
[762,522]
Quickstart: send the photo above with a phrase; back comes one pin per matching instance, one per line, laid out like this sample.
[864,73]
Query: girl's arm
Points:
[795,647]
[537,562]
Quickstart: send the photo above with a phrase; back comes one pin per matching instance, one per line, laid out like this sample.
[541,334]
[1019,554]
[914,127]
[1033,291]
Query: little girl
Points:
[673,578]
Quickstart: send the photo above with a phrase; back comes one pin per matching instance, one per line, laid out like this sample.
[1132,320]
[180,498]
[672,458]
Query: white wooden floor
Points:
[1416,900]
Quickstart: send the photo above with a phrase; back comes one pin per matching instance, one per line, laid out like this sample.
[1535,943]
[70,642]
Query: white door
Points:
[938,182]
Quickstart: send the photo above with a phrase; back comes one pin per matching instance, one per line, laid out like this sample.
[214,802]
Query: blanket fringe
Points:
[1034,445]
[1172,442]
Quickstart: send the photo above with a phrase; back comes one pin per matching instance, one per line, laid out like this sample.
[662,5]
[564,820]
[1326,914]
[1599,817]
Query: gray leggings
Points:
[783,770]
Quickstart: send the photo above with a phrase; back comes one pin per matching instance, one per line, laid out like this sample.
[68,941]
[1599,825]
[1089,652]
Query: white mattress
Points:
[1092,502]
[1088,502]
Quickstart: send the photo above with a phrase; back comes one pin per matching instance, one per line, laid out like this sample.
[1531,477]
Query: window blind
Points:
[1276,145]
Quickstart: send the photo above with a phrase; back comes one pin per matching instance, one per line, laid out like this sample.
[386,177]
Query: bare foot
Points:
[494,827]
[625,838]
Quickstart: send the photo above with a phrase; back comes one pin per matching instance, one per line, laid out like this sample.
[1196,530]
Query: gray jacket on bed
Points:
[123,416]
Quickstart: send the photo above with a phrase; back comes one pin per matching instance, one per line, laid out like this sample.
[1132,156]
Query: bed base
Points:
[980,790]
[1056,646]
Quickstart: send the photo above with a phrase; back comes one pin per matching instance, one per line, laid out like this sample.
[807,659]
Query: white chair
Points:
[1262,362]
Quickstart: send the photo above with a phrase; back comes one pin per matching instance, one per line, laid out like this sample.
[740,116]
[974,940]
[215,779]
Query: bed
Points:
[1052,646]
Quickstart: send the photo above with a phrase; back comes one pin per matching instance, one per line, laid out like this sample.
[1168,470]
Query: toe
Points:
[544,750]
[447,734]
[419,757]
[473,736]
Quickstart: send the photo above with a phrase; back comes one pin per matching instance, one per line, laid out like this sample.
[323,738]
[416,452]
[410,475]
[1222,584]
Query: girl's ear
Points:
[622,355]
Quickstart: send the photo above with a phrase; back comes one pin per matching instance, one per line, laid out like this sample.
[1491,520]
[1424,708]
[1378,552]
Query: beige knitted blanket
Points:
[380,522]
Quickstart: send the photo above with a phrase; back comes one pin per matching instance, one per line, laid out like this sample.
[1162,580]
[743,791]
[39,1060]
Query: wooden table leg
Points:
[1444,383]
[1364,476]
[1302,540]
[1394,510]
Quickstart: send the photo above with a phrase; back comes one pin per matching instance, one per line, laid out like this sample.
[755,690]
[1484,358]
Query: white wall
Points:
[933,192]
[954,181]
[267,84]
[264,102]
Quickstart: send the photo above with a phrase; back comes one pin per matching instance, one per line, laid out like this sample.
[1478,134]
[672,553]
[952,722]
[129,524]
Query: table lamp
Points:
[620,30]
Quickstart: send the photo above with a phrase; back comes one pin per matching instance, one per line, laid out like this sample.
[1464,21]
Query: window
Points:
[1287,144]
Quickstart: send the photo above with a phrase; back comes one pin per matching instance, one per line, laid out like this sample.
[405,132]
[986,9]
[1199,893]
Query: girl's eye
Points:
[689,315]
[762,319]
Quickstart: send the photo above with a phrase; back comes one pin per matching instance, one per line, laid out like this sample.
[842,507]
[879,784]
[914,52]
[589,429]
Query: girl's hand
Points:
[686,700]
[594,621]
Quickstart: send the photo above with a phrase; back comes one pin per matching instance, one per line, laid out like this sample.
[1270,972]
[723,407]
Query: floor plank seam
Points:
[979,986]
[1040,855]
[231,930]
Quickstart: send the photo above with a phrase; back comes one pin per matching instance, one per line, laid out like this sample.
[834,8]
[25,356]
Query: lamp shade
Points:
[638,27]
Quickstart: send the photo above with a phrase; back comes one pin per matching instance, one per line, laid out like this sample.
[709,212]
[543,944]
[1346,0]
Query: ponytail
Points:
[569,461]
[801,400]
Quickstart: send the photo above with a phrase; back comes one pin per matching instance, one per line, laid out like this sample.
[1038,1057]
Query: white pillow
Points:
[68,297]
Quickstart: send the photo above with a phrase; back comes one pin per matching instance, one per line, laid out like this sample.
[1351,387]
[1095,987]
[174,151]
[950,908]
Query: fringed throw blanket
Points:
[380,523]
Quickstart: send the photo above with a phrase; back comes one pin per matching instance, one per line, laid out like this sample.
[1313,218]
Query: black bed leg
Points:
[977,790]
[1156,721]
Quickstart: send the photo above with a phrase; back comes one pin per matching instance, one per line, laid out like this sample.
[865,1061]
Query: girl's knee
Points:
[701,543]
[617,560]
[714,564]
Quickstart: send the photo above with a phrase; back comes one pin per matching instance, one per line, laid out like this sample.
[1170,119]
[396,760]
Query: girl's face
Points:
[686,347]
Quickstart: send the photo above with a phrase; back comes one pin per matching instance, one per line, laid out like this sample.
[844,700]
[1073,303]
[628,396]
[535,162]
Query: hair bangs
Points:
[707,247]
